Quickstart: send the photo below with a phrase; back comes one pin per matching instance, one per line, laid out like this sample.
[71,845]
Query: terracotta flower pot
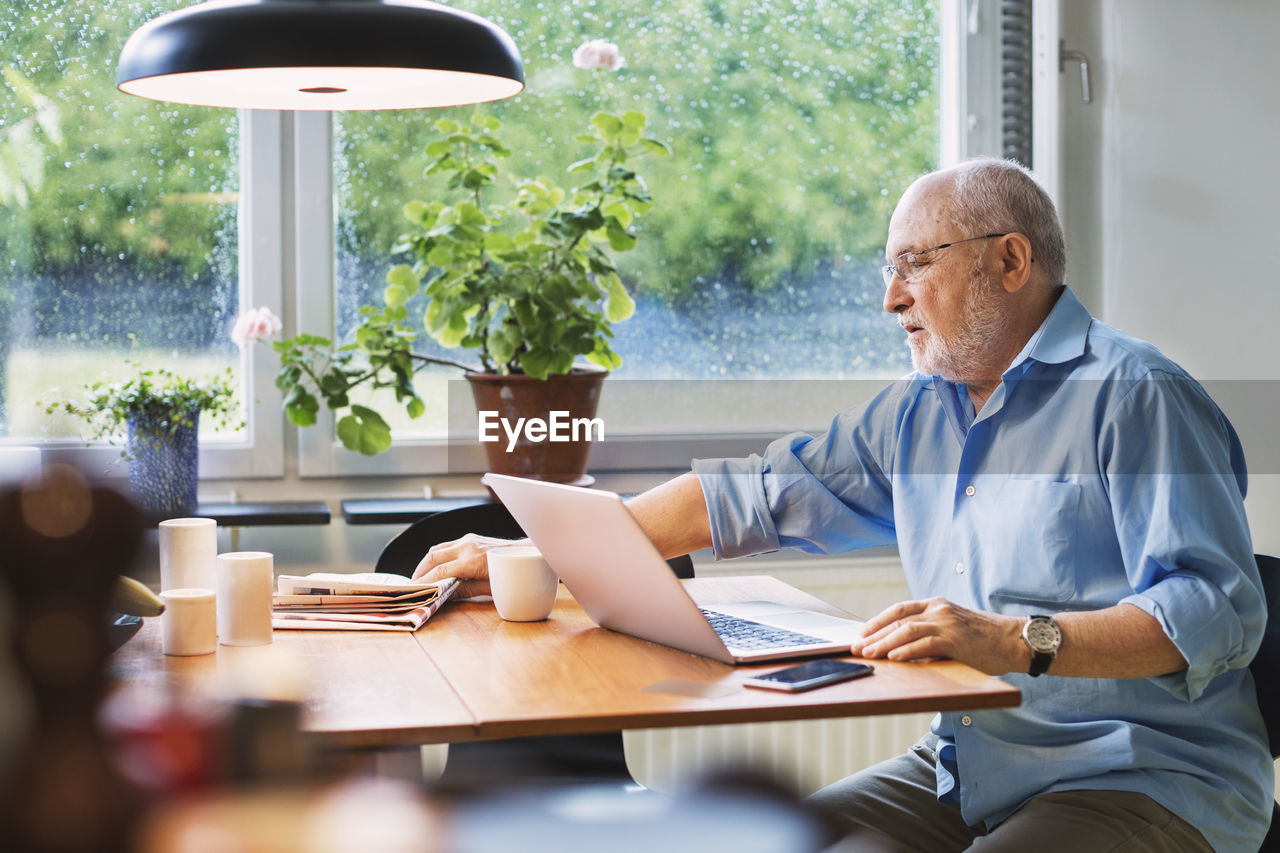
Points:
[564,403]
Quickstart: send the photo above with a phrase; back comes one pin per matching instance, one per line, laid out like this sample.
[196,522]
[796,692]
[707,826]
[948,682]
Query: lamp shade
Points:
[320,55]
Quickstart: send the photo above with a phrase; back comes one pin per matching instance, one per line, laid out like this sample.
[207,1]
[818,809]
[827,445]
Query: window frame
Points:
[969,115]
[261,241]
[286,260]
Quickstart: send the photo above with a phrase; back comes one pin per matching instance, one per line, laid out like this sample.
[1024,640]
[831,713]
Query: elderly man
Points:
[1068,504]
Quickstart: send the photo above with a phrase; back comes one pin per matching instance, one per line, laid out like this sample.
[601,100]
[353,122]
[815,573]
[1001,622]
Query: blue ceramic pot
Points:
[164,468]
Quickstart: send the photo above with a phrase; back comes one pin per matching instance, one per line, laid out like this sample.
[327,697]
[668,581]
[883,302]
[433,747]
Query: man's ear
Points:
[1015,261]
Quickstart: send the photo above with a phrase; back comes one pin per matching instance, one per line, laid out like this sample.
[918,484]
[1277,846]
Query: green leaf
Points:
[415,407]
[499,242]
[606,358]
[440,256]
[414,211]
[633,120]
[333,382]
[301,407]
[447,125]
[504,342]
[453,330]
[403,275]
[300,417]
[608,125]
[654,146]
[619,239]
[537,363]
[618,304]
[582,165]
[364,431]
[470,214]
[394,295]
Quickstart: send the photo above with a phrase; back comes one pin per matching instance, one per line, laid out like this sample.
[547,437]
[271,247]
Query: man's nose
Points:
[897,296]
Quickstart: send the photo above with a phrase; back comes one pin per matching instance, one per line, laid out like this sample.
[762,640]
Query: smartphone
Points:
[806,676]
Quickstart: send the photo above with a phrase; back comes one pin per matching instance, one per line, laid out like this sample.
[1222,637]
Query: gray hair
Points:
[994,195]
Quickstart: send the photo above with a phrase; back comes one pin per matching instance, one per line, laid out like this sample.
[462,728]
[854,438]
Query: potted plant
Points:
[159,413]
[521,273]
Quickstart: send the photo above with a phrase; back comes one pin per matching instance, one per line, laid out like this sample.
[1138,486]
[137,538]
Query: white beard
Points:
[963,355]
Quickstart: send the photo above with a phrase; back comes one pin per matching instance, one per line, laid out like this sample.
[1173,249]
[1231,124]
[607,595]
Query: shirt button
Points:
[959,568]
[970,491]
[966,720]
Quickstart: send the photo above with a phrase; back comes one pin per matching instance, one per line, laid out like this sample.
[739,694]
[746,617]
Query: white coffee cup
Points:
[244,598]
[523,585]
[187,625]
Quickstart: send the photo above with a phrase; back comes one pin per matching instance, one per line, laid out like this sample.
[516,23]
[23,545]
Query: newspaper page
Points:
[358,602]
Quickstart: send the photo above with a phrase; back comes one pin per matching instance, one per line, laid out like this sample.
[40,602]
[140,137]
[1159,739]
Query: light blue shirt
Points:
[1098,473]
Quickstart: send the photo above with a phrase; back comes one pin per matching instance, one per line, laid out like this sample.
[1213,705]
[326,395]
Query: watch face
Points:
[1043,635]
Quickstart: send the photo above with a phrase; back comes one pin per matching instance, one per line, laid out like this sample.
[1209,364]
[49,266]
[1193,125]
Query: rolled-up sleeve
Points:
[1176,474]
[823,494]
[736,504]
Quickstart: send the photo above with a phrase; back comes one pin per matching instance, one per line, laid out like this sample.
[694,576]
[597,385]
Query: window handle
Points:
[1065,56]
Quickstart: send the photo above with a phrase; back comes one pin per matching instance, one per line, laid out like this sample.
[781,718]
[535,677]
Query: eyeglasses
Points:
[908,265]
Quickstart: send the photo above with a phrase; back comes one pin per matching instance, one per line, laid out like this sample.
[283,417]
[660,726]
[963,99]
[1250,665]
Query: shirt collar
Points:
[1061,337]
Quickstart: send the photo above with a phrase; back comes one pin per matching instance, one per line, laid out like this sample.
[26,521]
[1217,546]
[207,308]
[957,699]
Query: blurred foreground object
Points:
[134,598]
[66,542]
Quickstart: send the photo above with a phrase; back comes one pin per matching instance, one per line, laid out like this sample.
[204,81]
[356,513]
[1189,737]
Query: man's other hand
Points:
[463,559]
[937,628]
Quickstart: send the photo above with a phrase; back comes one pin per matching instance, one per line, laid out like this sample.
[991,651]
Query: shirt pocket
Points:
[1030,545]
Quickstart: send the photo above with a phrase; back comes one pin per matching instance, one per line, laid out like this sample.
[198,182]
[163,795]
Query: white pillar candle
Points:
[244,598]
[188,547]
[187,626]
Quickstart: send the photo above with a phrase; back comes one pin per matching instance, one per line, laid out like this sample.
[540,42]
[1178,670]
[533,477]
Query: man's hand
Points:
[463,559]
[936,628]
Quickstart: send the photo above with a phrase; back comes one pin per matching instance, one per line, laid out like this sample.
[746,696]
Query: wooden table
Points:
[468,675]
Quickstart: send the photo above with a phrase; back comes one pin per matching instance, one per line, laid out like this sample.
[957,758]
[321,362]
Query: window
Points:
[119,223]
[795,126]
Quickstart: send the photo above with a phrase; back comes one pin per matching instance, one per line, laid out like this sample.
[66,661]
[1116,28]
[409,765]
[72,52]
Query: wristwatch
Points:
[1043,636]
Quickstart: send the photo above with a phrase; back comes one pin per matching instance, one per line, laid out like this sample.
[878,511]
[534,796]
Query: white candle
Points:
[187,626]
[188,547]
[244,598]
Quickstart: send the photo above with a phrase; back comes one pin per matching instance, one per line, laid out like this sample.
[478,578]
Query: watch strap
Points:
[1039,663]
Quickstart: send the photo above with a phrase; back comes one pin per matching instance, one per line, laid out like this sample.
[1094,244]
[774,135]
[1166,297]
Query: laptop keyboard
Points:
[744,634]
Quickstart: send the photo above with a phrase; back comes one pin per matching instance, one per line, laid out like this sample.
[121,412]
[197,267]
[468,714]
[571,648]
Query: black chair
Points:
[1265,667]
[510,761]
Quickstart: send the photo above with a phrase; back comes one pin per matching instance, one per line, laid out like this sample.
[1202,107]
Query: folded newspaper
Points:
[372,601]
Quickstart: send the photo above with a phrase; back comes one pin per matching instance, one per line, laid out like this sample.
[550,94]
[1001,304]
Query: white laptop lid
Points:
[617,575]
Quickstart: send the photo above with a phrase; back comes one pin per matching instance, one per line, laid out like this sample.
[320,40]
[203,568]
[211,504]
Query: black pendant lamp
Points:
[320,55]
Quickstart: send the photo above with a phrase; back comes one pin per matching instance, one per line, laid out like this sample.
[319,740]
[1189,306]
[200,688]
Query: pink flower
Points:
[255,325]
[598,54]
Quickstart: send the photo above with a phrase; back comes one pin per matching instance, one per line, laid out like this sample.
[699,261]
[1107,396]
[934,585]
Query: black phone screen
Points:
[811,674]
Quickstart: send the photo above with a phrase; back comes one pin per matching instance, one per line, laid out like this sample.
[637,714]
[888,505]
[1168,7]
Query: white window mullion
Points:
[1046,102]
[261,264]
[313,265]
[970,107]
[320,454]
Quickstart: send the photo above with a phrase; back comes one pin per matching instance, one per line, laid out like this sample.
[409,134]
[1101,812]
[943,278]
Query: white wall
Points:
[1170,180]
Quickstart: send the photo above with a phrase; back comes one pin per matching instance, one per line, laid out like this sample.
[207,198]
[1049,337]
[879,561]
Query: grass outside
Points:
[35,378]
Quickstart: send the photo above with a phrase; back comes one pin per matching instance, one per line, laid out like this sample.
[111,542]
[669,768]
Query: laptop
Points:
[616,574]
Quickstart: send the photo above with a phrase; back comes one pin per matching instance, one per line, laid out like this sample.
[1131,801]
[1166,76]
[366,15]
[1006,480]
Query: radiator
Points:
[803,755]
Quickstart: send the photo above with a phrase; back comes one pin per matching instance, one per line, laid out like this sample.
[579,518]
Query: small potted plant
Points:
[521,273]
[159,413]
